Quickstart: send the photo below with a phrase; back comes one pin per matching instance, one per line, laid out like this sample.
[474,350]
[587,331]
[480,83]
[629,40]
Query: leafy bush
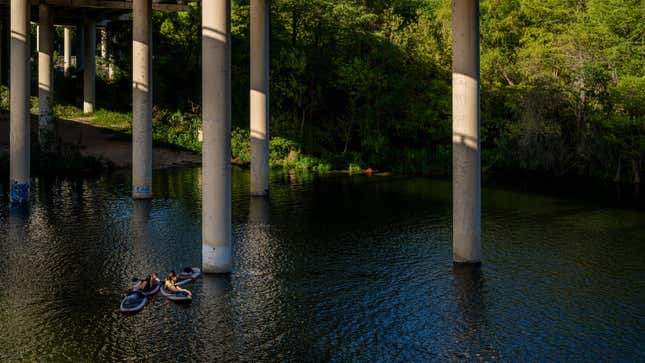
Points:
[280,148]
[355,169]
[322,167]
[177,129]
[240,146]
[4,98]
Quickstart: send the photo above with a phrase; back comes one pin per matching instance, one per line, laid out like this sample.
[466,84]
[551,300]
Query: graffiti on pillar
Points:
[141,189]
[19,193]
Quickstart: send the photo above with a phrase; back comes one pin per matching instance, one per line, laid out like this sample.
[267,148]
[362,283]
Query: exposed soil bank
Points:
[103,143]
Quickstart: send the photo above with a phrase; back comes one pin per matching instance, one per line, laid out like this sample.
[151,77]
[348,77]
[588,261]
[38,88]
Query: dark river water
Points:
[330,268]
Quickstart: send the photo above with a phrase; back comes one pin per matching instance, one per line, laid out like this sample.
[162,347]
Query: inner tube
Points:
[134,301]
[179,296]
[189,274]
[156,285]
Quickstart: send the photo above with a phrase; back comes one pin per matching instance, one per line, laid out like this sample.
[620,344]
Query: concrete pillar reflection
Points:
[45,74]
[89,71]
[469,323]
[259,214]
[466,162]
[19,101]
[216,149]
[142,99]
[259,103]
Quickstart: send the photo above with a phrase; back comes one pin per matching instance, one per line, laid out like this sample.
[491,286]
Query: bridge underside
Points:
[216,104]
[70,12]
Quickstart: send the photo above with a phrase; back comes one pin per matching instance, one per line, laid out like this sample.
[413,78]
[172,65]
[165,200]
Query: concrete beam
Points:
[466,162]
[216,125]
[19,137]
[259,103]
[142,100]
[45,74]
[89,68]
[107,4]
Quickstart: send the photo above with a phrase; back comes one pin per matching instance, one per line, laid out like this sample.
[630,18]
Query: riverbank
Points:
[102,141]
[176,141]
[91,137]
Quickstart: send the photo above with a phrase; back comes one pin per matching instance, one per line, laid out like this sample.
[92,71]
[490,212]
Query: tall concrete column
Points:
[67,50]
[19,137]
[103,43]
[142,99]
[6,50]
[45,76]
[80,41]
[3,25]
[104,53]
[89,71]
[216,125]
[466,159]
[259,97]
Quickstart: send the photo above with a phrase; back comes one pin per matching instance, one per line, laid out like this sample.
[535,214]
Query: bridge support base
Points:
[466,162]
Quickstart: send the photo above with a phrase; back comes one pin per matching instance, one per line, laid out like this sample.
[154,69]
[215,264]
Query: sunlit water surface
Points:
[331,268]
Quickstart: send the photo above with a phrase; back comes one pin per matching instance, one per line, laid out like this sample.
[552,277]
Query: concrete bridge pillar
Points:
[216,125]
[45,76]
[3,25]
[104,39]
[3,40]
[19,137]
[466,162]
[104,53]
[67,50]
[142,99]
[260,115]
[89,71]
[80,44]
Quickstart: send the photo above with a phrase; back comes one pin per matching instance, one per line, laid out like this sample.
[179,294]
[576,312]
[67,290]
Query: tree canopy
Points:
[368,81]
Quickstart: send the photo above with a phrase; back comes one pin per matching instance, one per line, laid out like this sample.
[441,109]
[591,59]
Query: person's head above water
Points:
[154,276]
[172,275]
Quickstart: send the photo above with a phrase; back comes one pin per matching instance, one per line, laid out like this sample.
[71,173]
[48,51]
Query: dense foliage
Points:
[367,82]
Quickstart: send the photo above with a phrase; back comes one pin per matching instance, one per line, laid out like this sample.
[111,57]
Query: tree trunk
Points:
[618,169]
[637,171]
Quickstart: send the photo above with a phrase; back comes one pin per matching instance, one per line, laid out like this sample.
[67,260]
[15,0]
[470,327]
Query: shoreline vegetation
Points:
[177,131]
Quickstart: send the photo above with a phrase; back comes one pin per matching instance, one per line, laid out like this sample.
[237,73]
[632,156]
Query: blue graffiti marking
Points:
[19,193]
[141,189]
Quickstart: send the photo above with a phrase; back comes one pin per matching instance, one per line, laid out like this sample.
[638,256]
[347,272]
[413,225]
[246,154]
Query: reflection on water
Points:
[470,328]
[332,268]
